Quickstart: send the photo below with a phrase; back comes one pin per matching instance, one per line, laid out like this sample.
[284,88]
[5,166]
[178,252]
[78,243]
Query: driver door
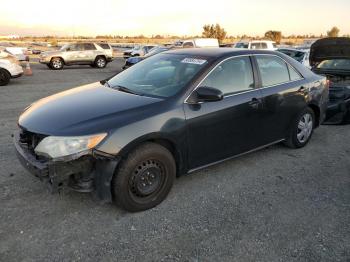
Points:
[221,129]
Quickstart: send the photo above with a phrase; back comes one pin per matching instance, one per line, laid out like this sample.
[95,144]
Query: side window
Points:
[89,46]
[294,75]
[273,70]
[72,47]
[188,45]
[232,76]
[77,47]
[255,46]
[263,46]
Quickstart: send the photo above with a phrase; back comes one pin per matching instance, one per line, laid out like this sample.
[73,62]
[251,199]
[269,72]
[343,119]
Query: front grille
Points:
[30,141]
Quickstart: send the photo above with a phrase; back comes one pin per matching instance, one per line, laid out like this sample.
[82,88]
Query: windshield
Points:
[63,48]
[162,75]
[335,64]
[241,45]
[137,47]
[297,55]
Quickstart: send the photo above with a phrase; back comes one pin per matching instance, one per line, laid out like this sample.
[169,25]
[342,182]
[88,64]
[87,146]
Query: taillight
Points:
[328,82]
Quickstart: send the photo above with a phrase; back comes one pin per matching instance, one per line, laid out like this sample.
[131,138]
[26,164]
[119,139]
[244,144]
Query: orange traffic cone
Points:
[28,71]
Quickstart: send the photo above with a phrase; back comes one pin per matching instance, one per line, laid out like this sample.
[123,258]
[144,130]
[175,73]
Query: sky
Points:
[177,17]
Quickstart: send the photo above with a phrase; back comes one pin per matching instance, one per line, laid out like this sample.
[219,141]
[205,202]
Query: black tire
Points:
[299,137]
[4,77]
[93,65]
[100,62]
[49,65]
[144,178]
[56,63]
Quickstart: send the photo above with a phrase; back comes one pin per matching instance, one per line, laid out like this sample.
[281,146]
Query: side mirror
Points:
[206,94]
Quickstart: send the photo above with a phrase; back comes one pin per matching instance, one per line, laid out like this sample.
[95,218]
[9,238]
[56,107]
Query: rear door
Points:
[88,53]
[72,53]
[218,130]
[283,95]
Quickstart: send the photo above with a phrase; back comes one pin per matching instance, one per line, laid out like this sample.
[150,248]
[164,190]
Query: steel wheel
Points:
[144,178]
[147,180]
[305,127]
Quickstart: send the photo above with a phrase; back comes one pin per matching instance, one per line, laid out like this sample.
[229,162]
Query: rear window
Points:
[335,64]
[104,45]
[241,45]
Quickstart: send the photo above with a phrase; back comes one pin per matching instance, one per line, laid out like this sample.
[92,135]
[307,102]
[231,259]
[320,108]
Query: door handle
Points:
[255,103]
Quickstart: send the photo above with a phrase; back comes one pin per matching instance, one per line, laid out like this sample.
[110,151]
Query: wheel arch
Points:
[60,57]
[100,55]
[7,71]
[317,112]
[163,140]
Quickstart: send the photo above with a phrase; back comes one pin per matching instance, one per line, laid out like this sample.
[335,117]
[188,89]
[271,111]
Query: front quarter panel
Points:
[167,125]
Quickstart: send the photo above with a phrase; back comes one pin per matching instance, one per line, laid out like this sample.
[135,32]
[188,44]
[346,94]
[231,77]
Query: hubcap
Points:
[57,63]
[101,62]
[305,127]
[147,178]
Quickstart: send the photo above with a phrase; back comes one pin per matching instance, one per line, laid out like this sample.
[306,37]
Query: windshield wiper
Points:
[127,90]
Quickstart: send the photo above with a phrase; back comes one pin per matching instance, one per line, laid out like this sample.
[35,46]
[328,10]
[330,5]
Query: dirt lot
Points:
[277,204]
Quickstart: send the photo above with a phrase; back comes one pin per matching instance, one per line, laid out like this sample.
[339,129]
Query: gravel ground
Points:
[276,204]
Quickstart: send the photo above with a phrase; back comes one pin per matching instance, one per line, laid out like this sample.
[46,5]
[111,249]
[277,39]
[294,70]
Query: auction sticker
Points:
[193,61]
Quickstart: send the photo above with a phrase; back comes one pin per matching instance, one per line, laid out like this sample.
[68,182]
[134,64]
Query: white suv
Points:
[9,67]
[257,44]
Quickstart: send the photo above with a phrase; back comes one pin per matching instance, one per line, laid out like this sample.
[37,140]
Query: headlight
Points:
[59,146]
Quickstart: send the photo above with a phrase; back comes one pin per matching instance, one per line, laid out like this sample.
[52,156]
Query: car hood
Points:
[134,60]
[329,48]
[84,110]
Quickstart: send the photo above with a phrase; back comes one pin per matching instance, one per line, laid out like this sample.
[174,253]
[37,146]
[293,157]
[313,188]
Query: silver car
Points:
[93,54]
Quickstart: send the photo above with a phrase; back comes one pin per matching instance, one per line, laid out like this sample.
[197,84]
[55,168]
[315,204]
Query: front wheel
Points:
[144,178]
[301,129]
[4,77]
[56,63]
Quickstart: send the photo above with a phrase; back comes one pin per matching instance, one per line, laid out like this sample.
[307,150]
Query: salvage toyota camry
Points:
[128,137]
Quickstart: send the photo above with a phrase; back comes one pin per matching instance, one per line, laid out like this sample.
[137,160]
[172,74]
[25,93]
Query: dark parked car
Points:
[128,137]
[331,57]
[134,60]
[138,50]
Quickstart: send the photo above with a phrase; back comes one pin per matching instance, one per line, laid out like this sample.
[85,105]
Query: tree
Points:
[274,36]
[214,31]
[334,32]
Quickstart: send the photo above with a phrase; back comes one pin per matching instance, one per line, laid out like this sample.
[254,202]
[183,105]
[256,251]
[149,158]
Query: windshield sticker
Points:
[193,61]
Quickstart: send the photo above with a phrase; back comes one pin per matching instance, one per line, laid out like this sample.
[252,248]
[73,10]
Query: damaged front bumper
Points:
[96,166]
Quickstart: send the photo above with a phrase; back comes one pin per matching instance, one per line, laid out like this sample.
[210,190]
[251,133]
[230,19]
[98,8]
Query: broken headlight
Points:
[59,146]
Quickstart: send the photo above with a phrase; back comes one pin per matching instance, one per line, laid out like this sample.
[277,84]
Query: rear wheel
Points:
[4,77]
[144,178]
[56,63]
[100,62]
[301,129]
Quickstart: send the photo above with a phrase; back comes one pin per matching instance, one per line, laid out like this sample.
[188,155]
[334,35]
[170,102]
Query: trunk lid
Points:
[329,48]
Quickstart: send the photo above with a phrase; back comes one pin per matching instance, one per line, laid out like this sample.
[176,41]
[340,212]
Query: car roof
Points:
[217,52]
[292,49]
